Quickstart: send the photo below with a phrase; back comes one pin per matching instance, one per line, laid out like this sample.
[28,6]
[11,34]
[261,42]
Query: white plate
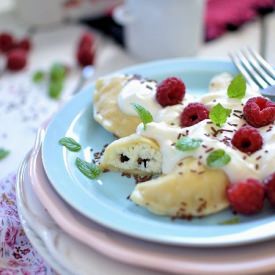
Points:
[249,259]
[64,253]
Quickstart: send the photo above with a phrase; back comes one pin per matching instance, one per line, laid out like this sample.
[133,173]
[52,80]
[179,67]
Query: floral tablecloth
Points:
[16,253]
[23,107]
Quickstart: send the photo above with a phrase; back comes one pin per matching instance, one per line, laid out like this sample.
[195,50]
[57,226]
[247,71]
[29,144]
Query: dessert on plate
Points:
[204,152]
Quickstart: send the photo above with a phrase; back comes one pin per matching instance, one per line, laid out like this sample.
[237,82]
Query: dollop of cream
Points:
[140,92]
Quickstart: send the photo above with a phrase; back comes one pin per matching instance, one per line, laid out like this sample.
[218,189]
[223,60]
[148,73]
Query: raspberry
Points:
[24,44]
[246,197]
[170,91]
[193,113]
[270,188]
[6,42]
[259,111]
[87,39]
[16,60]
[247,139]
[85,56]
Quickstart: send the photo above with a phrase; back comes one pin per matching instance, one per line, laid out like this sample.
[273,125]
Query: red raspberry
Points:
[259,111]
[16,60]
[246,197]
[86,40]
[85,56]
[247,139]
[193,113]
[270,188]
[6,42]
[24,44]
[170,91]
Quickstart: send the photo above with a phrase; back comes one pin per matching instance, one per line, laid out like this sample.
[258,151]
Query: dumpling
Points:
[133,154]
[106,110]
[190,190]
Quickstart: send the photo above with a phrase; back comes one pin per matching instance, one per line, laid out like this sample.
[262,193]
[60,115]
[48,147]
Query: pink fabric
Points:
[224,15]
[16,253]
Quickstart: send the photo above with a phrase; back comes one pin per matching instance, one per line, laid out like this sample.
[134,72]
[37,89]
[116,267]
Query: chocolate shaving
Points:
[232,124]
[241,116]
[259,157]
[140,179]
[123,158]
[215,132]
[144,161]
[225,130]
[209,150]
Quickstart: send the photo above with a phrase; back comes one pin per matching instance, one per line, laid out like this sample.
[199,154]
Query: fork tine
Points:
[263,63]
[235,59]
[254,62]
[254,74]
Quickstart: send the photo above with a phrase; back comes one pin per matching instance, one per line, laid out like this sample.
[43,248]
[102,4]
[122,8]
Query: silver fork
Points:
[258,73]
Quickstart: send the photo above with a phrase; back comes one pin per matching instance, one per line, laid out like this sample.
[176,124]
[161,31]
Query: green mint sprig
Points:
[218,158]
[57,72]
[70,144]
[4,153]
[144,115]
[237,87]
[218,114]
[54,78]
[38,76]
[57,78]
[90,170]
[234,220]
[55,89]
[188,144]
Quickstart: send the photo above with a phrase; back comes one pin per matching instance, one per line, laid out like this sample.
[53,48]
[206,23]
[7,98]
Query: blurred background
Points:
[48,49]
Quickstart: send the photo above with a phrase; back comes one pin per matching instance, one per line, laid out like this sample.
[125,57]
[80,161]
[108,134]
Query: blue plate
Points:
[105,200]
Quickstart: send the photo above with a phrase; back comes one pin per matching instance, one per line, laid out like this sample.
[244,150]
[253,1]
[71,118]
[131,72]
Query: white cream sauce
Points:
[165,130]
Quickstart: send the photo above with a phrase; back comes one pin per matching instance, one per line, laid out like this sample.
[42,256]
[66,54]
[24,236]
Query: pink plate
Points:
[249,259]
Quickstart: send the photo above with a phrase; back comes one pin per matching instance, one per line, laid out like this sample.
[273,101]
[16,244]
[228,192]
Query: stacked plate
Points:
[89,227]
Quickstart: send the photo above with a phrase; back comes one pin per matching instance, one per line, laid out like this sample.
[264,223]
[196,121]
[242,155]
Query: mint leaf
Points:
[70,144]
[218,114]
[55,89]
[38,76]
[234,220]
[218,158]
[143,114]
[237,87]
[57,72]
[188,144]
[90,170]
[4,153]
